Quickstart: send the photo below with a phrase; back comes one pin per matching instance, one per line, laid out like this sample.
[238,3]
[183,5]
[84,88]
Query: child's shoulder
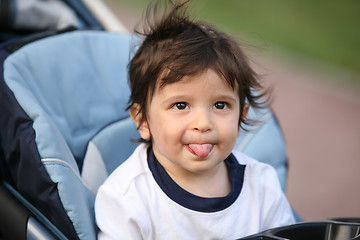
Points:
[244,159]
[259,178]
[253,166]
[131,170]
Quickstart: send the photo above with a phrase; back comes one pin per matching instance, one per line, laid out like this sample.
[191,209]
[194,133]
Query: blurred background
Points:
[309,52]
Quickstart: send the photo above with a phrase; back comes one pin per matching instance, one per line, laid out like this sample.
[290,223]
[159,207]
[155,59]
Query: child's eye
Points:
[220,105]
[180,106]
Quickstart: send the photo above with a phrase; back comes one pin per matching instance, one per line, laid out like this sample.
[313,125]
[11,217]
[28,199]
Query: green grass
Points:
[327,31]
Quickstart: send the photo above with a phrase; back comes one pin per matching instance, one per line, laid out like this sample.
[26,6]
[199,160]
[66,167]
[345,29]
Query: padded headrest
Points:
[78,79]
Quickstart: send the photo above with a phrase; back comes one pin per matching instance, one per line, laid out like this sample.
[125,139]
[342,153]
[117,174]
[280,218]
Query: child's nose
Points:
[202,121]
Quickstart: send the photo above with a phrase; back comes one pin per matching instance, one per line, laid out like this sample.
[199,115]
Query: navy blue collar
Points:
[191,201]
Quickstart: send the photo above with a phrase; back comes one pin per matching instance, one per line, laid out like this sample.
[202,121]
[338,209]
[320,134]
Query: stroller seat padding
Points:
[265,142]
[72,86]
[75,78]
[107,150]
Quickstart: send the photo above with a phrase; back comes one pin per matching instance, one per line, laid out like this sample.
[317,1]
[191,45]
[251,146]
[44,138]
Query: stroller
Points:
[64,128]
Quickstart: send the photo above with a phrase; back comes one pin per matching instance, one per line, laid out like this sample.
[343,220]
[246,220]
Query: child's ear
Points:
[142,125]
[245,111]
[244,115]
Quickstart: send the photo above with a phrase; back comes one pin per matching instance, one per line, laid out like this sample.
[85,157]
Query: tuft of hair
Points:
[174,46]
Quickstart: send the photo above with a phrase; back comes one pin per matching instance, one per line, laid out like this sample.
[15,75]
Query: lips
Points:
[200,150]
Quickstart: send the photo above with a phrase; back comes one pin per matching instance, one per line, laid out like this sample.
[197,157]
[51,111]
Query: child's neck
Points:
[211,184]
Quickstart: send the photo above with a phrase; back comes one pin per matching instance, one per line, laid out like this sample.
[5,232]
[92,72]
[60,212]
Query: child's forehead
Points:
[206,78]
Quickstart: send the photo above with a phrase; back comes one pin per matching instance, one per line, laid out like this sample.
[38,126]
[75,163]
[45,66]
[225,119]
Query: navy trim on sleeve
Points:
[191,201]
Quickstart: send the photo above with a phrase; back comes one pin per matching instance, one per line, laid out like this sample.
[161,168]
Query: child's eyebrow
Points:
[189,97]
[225,98]
[176,98]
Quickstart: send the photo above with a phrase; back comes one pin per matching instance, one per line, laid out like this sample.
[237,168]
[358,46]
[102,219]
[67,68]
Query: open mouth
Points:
[200,150]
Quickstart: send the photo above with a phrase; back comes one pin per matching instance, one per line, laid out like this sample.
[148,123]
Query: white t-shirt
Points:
[140,201]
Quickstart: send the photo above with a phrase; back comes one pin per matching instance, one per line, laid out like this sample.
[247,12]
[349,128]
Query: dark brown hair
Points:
[175,46]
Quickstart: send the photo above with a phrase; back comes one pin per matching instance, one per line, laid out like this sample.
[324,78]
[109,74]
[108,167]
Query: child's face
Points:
[193,123]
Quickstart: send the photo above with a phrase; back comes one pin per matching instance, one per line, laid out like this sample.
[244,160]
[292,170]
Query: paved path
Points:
[321,123]
[320,117]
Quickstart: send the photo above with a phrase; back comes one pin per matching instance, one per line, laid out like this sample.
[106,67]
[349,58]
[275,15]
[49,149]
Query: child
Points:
[191,88]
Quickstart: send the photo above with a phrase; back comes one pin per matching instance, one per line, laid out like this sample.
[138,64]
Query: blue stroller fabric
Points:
[64,127]
[59,92]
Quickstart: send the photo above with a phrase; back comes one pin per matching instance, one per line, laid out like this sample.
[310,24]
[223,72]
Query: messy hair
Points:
[175,46]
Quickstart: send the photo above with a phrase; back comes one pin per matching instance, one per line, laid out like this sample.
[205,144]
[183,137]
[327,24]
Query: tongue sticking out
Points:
[200,150]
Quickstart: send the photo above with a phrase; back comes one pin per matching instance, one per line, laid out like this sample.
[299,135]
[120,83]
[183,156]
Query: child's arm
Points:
[278,210]
[263,185]
[280,213]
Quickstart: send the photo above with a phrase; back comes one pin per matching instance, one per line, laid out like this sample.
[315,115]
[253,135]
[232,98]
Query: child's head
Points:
[176,47]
